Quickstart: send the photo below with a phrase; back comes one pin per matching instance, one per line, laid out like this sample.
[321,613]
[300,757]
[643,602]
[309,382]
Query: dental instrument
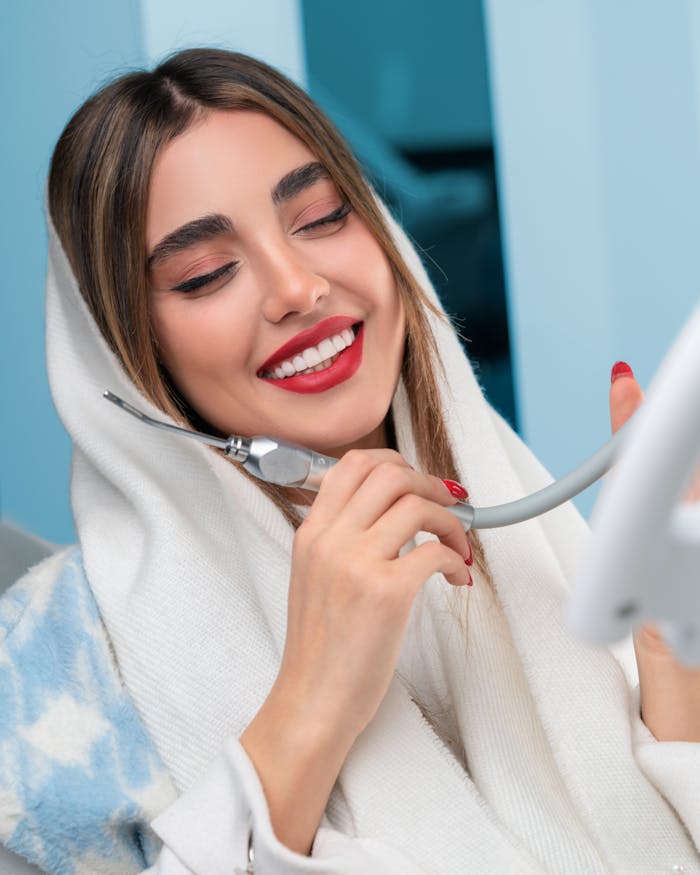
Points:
[288,464]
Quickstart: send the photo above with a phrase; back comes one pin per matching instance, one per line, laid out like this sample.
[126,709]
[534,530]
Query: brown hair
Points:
[98,191]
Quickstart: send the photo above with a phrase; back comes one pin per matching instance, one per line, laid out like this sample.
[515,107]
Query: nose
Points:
[291,286]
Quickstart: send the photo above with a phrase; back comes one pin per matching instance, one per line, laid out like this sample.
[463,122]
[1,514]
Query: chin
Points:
[360,434]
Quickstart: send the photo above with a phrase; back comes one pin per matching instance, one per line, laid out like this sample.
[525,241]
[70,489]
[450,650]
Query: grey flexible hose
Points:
[556,493]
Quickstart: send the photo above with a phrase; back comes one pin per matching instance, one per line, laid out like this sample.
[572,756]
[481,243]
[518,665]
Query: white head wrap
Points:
[189,563]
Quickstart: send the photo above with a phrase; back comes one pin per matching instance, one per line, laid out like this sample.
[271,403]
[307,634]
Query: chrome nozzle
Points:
[233,446]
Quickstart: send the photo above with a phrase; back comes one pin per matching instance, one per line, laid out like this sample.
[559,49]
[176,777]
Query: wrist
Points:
[312,729]
[298,755]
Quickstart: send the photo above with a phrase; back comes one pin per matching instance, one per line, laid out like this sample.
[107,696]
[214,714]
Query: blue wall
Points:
[54,55]
[596,126]
[49,65]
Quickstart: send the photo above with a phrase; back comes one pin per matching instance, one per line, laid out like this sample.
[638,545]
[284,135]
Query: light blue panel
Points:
[596,128]
[270,31]
[54,55]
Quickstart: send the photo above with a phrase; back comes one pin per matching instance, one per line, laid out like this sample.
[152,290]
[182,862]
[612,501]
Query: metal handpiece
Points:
[286,463]
[221,443]
[289,464]
[271,459]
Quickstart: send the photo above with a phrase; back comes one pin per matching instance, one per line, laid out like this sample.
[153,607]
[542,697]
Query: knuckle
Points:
[356,460]
[392,475]
[385,595]
[412,504]
[396,457]
[434,550]
[369,582]
[438,556]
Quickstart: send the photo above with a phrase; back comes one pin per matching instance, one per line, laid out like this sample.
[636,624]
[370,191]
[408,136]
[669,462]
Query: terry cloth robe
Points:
[513,747]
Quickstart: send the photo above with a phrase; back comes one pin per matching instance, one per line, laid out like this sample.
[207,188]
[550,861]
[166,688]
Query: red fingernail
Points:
[470,582]
[470,558]
[456,490]
[620,369]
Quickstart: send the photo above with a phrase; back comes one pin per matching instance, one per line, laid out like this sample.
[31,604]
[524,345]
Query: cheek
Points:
[197,339]
[381,283]
[360,262]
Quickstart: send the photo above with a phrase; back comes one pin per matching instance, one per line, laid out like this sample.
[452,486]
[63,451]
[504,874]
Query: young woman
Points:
[228,676]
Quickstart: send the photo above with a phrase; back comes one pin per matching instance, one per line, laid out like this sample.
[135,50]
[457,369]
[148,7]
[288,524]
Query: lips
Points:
[311,337]
[343,368]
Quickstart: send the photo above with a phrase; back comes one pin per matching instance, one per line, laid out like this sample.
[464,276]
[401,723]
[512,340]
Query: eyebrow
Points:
[196,231]
[214,225]
[297,180]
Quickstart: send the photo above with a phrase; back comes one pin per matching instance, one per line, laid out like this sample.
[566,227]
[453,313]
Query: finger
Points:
[385,485]
[343,480]
[625,396]
[412,514]
[420,563]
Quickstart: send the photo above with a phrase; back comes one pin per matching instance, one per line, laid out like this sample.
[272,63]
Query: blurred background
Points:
[544,156]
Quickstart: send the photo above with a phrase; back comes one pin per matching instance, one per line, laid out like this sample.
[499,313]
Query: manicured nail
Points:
[456,490]
[470,582]
[620,369]
[470,558]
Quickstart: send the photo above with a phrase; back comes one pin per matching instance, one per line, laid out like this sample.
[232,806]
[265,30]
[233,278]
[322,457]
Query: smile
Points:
[319,368]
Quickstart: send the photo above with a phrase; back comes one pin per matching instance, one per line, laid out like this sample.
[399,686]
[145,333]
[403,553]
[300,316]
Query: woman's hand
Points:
[350,594]
[350,597]
[669,691]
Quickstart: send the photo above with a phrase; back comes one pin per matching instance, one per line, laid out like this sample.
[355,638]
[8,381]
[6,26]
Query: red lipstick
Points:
[342,368]
[311,337]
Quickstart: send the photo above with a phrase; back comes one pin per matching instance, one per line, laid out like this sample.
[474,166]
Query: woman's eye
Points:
[199,282]
[336,216]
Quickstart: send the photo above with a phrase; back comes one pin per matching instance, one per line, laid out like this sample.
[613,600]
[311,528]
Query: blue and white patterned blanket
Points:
[80,779]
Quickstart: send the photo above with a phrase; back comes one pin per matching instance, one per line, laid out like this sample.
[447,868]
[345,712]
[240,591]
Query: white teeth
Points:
[311,356]
[320,367]
[315,358]
[326,349]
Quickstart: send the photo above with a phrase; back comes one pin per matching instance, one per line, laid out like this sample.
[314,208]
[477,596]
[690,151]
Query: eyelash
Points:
[199,282]
[336,216]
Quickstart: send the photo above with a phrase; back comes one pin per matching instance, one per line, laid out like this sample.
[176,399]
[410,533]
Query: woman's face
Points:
[283,255]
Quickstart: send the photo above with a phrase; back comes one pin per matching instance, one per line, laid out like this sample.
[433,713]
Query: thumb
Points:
[625,394]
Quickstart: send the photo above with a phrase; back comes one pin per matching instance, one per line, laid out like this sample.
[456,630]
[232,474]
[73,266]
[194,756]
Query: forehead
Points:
[227,159]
